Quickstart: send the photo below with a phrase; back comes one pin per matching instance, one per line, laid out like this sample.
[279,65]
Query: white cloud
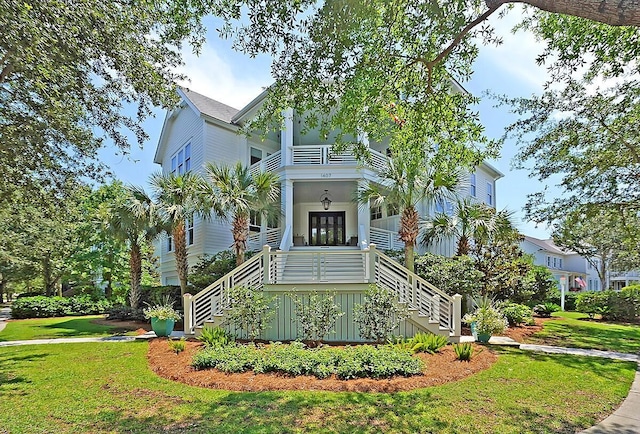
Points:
[517,54]
[212,75]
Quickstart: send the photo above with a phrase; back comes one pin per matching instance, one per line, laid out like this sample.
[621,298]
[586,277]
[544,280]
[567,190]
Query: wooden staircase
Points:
[348,272]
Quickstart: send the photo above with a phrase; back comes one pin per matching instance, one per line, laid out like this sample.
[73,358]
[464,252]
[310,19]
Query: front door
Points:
[326,228]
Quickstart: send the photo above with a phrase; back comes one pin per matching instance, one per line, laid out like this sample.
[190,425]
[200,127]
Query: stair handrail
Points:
[192,317]
[441,306]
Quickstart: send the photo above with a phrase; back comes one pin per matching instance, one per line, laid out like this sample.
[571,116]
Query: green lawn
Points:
[65,327]
[108,387]
[574,329]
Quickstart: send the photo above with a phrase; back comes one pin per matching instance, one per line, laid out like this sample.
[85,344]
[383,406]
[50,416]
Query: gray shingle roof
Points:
[211,107]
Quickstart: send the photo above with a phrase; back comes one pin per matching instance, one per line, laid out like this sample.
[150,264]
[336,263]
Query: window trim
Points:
[490,194]
[472,185]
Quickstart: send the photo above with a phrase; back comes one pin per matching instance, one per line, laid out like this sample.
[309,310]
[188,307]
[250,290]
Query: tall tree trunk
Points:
[409,234]
[135,273]
[47,276]
[614,13]
[3,285]
[180,251]
[240,231]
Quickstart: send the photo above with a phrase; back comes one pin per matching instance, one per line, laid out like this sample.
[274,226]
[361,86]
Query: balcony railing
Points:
[317,155]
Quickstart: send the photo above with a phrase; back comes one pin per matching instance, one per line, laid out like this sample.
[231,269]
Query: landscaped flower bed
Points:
[439,368]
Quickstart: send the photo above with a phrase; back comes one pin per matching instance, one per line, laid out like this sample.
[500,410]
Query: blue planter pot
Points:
[483,337]
[162,327]
[474,331]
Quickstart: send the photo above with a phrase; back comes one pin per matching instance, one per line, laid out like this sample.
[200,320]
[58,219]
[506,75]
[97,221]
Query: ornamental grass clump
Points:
[162,312]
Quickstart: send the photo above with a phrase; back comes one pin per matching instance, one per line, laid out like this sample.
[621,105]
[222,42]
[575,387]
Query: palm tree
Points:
[405,183]
[133,221]
[474,224]
[234,192]
[471,220]
[178,199]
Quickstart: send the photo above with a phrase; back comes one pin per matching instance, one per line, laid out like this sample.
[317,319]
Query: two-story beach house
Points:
[323,239]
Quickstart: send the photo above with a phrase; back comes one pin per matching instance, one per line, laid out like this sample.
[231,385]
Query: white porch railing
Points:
[385,240]
[315,156]
[269,164]
[257,240]
[270,267]
[215,298]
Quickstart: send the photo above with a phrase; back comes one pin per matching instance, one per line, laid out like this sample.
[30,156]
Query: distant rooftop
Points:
[548,245]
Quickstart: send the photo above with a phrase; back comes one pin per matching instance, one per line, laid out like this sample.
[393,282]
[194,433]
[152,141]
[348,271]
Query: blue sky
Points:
[235,79]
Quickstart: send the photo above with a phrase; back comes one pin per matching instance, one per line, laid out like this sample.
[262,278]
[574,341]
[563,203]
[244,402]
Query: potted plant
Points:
[163,317]
[486,320]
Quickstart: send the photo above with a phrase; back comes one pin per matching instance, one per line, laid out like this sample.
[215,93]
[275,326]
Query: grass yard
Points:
[47,328]
[108,387]
[574,329]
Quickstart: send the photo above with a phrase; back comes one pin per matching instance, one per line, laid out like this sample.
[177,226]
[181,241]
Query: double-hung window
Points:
[181,161]
[489,193]
[472,185]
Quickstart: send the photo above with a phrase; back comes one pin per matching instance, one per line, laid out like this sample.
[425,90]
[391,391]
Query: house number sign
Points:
[325,175]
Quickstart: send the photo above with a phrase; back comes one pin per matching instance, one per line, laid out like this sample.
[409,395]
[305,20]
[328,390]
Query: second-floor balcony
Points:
[317,155]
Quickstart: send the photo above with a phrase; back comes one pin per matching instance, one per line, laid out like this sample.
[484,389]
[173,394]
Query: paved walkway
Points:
[5,315]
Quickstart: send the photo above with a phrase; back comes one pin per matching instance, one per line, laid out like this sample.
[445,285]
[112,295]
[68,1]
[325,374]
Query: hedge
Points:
[621,305]
[45,307]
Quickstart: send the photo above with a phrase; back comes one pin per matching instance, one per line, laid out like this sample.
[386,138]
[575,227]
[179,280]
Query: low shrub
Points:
[464,352]
[47,307]
[516,314]
[177,346]
[125,313]
[215,337]
[364,361]
[428,343]
[488,319]
[545,310]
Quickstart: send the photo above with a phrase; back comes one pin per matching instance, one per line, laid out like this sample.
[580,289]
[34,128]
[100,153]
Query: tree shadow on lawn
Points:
[602,367]
[10,384]
[79,327]
[579,336]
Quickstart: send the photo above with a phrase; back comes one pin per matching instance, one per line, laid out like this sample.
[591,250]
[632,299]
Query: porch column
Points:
[286,137]
[364,219]
[287,211]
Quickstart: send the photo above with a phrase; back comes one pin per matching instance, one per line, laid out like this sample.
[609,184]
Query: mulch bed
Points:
[440,368]
[521,333]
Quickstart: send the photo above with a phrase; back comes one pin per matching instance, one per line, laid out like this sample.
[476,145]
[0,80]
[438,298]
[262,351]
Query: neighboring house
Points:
[620,279]
[578,273]
[317,191]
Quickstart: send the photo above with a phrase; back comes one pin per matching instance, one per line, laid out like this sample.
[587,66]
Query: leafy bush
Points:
[364,361]
[612,305]
[455,275]
[177,346]
[379,314]
[536,287]
[215,337]
[428,343]
[210,268]
[570,299]
[464,352]
[316,315]
[487,317]
[546,309]
[47,307]
[250,311]
[592,303]
[125,313]
[516,314]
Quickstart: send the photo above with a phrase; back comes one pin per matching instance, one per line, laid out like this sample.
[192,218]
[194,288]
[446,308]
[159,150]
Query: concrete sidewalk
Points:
[146,336]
